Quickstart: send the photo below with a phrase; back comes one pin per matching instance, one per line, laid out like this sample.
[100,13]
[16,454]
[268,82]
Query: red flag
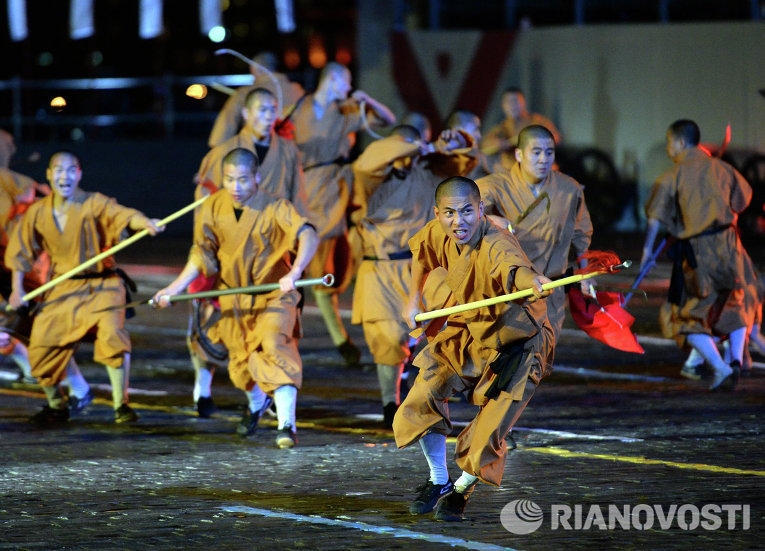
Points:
[604,320]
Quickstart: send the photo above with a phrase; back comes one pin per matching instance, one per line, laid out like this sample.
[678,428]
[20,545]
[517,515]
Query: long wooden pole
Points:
[425,316]
[118,247]
[328,280]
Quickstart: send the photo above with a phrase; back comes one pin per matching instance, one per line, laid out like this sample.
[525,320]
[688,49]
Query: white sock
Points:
[756,340]
[78,386]
[20,357]
[433,446]
[706,347]
[203,376]
[388,376]
[726,355]
[694,359]
[464,482]
[285,399]
[119,377]
[256,399]
[737,340]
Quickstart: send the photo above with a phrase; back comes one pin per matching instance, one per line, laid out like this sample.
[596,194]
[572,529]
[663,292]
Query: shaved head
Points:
[457,186]
[408,133]
[687,130]
[242,157]
[257,93]
[535,131]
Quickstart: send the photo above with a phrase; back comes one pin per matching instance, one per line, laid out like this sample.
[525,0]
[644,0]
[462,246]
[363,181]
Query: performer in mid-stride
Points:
[73,226]
[495,355]
[245,234]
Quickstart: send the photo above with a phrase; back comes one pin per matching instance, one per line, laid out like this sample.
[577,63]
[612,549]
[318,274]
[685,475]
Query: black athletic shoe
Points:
[125,414]
[249,423]
[452,507]
[350,353]
[48,416]
[205,407]
[78,405]
[428,496]
[287,437]
[389,411]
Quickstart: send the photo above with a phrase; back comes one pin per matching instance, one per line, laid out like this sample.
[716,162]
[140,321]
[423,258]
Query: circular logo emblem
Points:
[521,516]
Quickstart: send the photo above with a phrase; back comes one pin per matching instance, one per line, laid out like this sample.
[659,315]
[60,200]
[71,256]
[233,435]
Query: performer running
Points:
[555,224]
[496,355]
[72,226]
[17,192]
[230,119]
[244,235]
[711,291]
[281,175]
[404,173]
[323,123]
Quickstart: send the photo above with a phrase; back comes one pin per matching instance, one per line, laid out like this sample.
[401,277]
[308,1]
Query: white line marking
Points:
[132,390]
[152,330]
[566,434]
[314,311]
[364,527]
[560,433]
[605,375]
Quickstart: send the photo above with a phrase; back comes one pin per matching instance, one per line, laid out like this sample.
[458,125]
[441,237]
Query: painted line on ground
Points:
[641,461]
[364,527]
[595,373]
[384,433]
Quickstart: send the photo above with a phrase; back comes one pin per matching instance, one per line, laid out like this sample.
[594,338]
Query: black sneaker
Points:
[287,437]
[692,372]
[428,496]
[452,507]
[249,423]
[350,353]
[78,405]
[48,416]
[389,412]
[205,407]
[125,414]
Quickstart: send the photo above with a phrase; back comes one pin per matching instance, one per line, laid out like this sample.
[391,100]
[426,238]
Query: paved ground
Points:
[607,433]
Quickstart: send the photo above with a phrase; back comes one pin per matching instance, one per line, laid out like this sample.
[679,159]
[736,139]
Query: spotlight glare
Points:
[217,34]
[58,102]
[197,91]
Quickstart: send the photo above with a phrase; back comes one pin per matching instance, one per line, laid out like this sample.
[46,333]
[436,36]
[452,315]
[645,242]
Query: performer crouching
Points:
[245,235]
[496,355]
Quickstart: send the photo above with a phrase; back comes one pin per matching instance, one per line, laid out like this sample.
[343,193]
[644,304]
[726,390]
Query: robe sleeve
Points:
[24,243]
[204,251]
[582,225]
[660,204]
[289,221]
[488,186]
[113,217]
[741,192]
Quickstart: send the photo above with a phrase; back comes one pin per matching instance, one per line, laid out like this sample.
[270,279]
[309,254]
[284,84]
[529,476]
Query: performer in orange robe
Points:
[72,226]
[404,173]
[712,290]
[496,354]
[556,225]
[245,236]
[324,122]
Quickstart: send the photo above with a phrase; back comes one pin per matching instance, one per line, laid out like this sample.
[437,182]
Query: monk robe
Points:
[16,193]
[230,121]
[324,145]
[458,358]
[93,224]
[400,206]
[259,331]
[546,237]
[715,289]
[502,139]
[280,171]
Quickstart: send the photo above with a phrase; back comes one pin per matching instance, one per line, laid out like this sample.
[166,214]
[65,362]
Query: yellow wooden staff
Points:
[108,252]
[425,316]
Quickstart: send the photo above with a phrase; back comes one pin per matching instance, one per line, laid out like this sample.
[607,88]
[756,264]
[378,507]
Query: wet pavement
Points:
[615,451]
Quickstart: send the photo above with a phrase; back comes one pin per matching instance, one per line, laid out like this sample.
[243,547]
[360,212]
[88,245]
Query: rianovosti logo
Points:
[523,516]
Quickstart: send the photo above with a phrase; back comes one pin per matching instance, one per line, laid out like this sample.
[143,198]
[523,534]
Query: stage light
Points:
[58,103]
[317,55]
[292,59]
[197,91]
[217,34]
